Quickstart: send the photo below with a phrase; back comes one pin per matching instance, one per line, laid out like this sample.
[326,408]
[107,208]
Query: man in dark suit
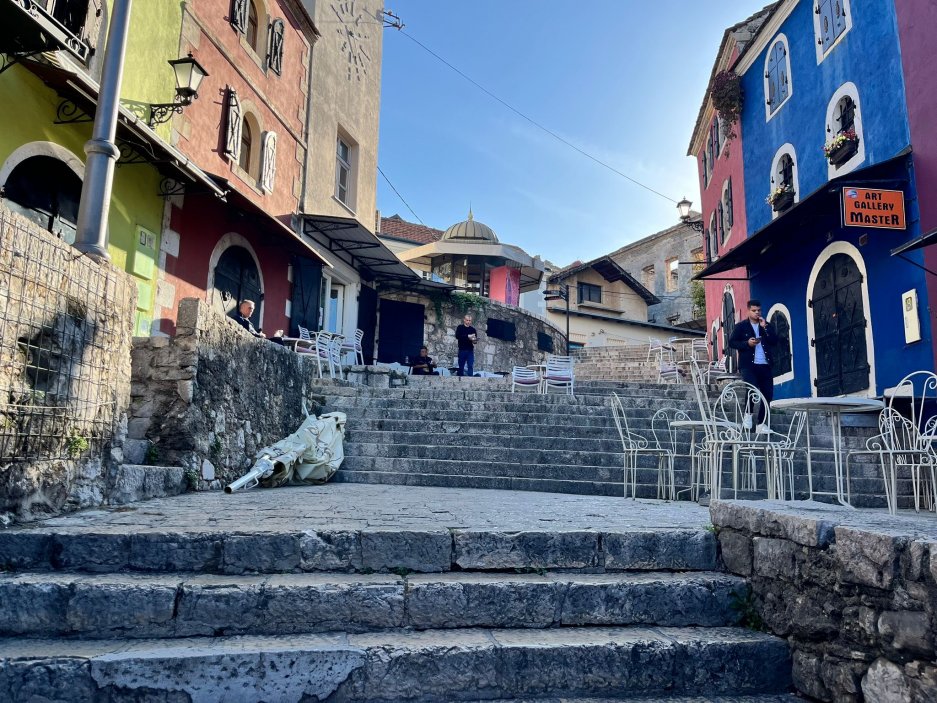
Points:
[754,339]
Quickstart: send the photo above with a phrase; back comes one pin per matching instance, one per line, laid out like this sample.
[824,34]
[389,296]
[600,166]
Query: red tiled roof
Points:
[398,228]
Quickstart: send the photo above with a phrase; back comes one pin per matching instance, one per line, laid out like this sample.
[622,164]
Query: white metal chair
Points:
[335,354]
[353,346]
[522,377]
[665,438]
[306,344]
[656,346]
[634,446]
[699,349]
[668,371]
[321,352]
[559,374]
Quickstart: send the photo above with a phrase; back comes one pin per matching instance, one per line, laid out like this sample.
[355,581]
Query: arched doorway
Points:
[237,278]
[839,328]
[728,326]
[47,191]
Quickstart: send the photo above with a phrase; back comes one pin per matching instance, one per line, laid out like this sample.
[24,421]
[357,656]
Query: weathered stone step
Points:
[644,489]
[533,459]
[129,548]
[139,482]
[409,424]
[608,443]
[431,665]
[490,417]
[176,605]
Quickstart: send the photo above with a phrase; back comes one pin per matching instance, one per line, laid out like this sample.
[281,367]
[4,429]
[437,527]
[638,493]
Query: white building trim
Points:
[51,149]
[781,308]
[818,34]
[846,89]
[769,113]
[775,174]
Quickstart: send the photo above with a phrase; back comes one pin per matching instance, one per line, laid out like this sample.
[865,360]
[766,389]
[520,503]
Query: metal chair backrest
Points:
[665,436]
[918,393]
[304,334]
[524,377]
[737,406]
[629,442]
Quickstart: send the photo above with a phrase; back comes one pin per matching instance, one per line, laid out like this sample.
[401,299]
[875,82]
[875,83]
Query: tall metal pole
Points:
[566,288]
[91,237]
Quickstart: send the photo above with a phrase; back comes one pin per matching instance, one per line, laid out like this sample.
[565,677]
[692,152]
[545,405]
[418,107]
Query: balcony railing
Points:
[36,26]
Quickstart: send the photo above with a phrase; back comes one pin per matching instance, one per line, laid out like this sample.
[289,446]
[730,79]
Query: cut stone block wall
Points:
[66,324]
[490,354]
[854,593]
[209,398]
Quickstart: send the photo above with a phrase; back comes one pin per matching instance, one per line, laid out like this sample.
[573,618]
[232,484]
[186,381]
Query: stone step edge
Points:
[425,551]
[177,605]
[384,667]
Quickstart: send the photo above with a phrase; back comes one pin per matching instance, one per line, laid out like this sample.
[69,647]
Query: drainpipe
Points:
[102,153]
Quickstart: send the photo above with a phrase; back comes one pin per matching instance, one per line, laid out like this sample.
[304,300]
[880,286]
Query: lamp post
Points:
[560,293]
[91,237]
[683,207]
[189,75]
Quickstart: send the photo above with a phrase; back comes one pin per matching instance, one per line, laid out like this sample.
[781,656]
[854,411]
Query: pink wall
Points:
[505,285]
[728,165]
[916,22]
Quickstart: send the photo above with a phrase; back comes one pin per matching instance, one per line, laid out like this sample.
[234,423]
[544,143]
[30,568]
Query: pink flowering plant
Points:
[727,99]
[778,192]
[841,138]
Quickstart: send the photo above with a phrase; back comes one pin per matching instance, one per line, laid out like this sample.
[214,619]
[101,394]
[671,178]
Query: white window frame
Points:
[818,34]
[342,164]
[769,113]
[781,308]
[776,174]
[726,227]
[847,89]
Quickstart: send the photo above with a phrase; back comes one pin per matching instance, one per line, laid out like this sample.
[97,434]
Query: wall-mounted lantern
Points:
[189,75]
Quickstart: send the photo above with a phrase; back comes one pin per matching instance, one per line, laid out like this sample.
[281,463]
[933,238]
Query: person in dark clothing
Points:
[423,365]
[466,336]
[243,318]
[754,339]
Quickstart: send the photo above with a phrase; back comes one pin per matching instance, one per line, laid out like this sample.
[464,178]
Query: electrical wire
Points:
[533,121]
[400,196]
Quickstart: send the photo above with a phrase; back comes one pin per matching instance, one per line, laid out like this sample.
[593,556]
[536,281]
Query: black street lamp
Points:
[683,207]
[189,75]
[560,293]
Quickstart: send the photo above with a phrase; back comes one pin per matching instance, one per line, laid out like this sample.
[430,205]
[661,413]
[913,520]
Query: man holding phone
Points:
[466,336]
[754,338]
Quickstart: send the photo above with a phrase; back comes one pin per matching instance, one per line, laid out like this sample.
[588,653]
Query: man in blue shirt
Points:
[754,339]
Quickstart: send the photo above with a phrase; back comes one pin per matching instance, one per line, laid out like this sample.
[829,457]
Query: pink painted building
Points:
[248,131]
[916,22]
[722,191]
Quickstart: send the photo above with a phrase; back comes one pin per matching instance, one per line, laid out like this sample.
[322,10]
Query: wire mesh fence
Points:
[59,378]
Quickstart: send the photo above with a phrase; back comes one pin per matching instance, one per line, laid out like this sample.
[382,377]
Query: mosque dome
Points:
[471,231]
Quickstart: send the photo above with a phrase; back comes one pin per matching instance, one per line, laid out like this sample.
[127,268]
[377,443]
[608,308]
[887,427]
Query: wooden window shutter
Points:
[730,216]
[269,164]
[232,145]
[239,15]
[275,46]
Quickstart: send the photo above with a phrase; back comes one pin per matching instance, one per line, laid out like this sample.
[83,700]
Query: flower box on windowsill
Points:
[783,201]
[843,152]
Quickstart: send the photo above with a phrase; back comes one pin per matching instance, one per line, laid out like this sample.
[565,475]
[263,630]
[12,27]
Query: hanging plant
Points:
[727,99]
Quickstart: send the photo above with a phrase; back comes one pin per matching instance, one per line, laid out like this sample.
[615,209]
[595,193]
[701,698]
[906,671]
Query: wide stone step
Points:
[610,443]
[380,423]
[646,403]
[469,458]
[176,605]
[506,482]
[119,549]
[432,665]
[463,416]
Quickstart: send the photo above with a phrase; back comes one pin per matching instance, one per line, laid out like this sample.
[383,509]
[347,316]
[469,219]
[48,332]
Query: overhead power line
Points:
[400,196]
[532,120]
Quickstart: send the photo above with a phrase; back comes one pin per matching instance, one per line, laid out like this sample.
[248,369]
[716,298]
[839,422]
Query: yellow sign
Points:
[866,207]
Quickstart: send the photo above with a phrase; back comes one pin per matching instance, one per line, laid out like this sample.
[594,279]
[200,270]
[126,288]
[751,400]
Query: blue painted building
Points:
[828,73]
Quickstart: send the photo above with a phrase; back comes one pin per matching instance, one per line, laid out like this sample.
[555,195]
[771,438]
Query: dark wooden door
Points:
[400,333]
[367,321]
[728,326]
[237,279]
[839,324]
[305,305]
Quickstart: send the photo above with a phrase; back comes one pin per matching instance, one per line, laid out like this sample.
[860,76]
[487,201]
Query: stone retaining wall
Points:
[210,397]
[66,324]
[854,592]
[490,354]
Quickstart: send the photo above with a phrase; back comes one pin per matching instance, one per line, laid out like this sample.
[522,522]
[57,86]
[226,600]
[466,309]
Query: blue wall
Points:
[868,55]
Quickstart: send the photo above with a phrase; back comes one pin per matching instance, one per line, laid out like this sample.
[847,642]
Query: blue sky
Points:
[620,79]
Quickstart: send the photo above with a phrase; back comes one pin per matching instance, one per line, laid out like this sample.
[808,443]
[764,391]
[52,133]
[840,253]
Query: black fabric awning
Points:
[919,243]
[349,241]
[819,211]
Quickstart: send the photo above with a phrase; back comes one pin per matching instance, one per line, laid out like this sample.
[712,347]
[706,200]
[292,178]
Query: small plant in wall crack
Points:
[75,444]
[747,610]
[192,478]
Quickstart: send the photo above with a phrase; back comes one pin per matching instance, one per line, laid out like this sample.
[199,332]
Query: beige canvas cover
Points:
[311,455]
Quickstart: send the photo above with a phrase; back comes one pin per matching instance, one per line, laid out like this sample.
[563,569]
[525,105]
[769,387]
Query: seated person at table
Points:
[423,365]
[244,312]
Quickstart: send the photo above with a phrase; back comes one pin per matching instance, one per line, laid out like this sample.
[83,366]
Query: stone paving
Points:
[374,507]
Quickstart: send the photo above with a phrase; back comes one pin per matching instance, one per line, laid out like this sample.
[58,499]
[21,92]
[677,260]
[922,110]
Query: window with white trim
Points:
[777,76]
[713,237]
[782,355]
[844,143]
[343,171]
[831,20]
[783,178]
[728,215]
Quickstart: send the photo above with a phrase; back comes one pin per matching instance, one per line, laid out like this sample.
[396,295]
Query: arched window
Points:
[247,145]
[844,146]
[45,190]
[782,361]
[252,30]
[713,237]
[721,221]
[727,206]
[784,186]
[777,76]
[831,20]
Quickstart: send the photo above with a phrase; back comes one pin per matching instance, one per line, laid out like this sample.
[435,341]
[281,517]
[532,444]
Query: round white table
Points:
[837,407]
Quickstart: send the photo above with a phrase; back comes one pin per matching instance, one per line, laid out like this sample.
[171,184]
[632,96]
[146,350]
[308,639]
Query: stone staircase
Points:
[624,363]
[475,433]
[139,607]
